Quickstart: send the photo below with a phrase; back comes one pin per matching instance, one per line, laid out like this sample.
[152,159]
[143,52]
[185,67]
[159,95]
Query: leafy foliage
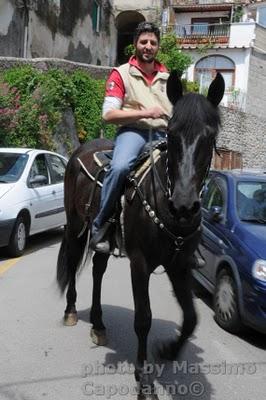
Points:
[170,55]
[32,103]
[88,102]
[189,86]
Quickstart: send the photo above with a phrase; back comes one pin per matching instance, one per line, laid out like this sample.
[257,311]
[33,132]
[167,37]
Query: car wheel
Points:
[226,303]
[17,242]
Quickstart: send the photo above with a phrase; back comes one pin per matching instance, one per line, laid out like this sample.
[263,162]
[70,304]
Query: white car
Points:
[31,195]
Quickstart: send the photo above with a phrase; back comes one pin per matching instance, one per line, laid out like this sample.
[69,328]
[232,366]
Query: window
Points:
[39,167]
[207,68]
[11,166]
[262,16]
[57,168]
[212,197]
[96,16]
[251,200]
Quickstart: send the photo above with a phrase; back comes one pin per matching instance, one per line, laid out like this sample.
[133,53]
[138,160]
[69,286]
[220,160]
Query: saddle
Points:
[103,158]
[141,168]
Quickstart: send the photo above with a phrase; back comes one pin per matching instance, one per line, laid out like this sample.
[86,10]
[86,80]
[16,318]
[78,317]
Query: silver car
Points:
[31,195]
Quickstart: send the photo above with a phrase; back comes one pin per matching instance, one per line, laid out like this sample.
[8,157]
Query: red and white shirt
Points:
[115,89]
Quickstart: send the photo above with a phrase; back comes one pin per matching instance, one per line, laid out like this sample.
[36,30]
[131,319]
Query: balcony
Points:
[224,34]
[182,3]
[202,5]
[200,34]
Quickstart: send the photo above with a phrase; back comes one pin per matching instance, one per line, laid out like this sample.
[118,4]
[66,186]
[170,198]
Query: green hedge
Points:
[32,103]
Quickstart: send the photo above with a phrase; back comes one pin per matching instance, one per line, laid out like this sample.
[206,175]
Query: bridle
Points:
[178,240]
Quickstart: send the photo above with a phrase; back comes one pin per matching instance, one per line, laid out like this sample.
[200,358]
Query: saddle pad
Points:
[103,158]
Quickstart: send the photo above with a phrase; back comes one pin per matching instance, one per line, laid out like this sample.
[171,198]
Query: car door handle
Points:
[53,192]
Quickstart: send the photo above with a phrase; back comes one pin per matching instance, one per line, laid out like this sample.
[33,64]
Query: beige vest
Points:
[140,95]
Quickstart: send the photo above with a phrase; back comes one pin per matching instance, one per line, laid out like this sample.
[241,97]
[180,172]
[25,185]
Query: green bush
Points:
[32,103]
[190,86]
[88,102]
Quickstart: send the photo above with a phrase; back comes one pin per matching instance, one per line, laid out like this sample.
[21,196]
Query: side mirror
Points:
[216,214]
[38,180]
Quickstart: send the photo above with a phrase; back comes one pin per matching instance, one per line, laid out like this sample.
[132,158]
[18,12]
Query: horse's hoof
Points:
[147,392]
[70,319]
[167,351]
[98,337]
[142,396]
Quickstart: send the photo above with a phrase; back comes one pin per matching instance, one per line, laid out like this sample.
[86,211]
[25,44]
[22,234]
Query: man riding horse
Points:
[137,102]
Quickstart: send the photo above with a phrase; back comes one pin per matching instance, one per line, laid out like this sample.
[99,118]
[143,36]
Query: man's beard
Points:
[139,55]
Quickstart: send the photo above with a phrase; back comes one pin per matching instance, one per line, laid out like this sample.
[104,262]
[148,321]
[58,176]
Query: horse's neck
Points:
[158,176]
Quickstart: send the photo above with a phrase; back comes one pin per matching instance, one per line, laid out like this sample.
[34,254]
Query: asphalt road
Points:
[42,359]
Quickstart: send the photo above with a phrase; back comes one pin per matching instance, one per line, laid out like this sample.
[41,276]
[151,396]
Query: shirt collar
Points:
[158,67]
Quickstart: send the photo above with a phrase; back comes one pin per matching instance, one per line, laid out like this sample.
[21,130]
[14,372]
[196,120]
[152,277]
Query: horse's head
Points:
[192,133]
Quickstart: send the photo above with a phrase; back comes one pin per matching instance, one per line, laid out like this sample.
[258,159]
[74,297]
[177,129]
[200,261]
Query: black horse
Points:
[162,224]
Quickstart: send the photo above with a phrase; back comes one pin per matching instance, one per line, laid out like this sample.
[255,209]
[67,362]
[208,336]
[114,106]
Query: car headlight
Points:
[259,270]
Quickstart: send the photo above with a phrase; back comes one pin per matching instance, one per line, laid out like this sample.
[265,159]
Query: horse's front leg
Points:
[98,332]
[182,285]
[142,324]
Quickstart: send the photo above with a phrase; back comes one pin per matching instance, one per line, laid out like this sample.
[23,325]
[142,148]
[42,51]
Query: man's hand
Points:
[154,112]
[124,117]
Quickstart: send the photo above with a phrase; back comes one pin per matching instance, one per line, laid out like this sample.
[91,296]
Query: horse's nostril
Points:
[171,207]
[196,207]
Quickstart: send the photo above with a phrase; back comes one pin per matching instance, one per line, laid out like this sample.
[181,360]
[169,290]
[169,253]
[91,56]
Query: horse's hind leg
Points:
[182,285]
[98,333]
[70,255]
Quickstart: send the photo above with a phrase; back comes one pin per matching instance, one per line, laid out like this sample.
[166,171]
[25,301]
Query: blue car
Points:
[233,247]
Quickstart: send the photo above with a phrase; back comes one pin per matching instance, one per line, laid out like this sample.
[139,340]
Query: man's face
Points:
[147,47]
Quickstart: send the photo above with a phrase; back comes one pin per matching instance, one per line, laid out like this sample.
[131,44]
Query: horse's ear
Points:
[216,90]
[174,87]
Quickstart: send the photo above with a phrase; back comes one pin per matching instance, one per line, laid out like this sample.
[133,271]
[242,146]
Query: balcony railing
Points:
[181,3]
[199,33]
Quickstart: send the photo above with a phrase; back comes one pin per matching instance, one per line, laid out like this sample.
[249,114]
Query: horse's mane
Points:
[192,114]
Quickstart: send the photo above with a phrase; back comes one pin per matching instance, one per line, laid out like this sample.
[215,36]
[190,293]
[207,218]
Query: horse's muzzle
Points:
[186,212]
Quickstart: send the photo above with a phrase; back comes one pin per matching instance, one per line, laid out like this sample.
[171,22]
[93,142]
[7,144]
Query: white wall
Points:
[135,5]
[6,14]
[242,34]
[241,58]
[42,43]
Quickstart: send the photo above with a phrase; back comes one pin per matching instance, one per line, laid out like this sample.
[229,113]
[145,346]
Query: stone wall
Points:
[44,64]
[244,133]
[256,99]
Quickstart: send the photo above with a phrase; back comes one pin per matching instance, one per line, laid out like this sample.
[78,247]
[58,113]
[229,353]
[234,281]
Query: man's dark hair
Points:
[144,27]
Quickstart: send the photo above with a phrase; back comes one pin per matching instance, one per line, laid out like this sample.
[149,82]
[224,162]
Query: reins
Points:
[179,240]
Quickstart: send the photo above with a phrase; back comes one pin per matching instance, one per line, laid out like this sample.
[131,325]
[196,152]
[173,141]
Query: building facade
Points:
[87,31]
[222,36]
[79,30]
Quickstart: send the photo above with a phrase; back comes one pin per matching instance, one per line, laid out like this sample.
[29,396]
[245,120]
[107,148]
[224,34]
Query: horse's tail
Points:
[70,257]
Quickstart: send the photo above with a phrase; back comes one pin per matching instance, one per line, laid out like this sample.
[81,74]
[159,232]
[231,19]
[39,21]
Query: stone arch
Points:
[126,23]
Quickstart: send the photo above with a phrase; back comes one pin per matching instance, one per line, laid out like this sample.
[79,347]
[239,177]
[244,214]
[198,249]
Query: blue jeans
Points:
[128,146]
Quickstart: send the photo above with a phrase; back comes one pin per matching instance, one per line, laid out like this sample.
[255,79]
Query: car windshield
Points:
[12,166]
[251,201]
